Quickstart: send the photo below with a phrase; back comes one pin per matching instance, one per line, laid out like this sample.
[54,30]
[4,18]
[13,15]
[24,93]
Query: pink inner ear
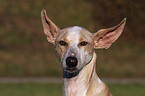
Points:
[112,36]
[50,29]
[106,40]
[105,37]
[46,26]
[109,38]
[47,30]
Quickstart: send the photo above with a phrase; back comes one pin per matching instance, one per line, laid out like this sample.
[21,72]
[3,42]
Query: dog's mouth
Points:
[71,70]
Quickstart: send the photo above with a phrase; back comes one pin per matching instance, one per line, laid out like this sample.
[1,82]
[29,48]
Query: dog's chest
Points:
[74,88]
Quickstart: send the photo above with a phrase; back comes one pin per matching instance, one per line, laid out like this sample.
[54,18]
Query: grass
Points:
[127,89]
[30,89]
[42,89]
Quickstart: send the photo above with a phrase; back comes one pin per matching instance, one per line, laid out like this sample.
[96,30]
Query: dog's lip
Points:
[71,70]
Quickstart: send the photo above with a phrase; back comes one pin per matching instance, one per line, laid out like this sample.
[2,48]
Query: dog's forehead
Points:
[75,32]
[75,29]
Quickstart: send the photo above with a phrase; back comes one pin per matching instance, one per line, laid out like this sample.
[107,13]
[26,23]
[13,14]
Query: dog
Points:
[75,49]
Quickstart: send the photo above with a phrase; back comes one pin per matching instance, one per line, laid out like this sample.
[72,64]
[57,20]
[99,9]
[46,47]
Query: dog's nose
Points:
[71,62]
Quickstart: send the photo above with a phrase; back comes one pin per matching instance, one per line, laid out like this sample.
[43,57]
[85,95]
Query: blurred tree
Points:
[23,44]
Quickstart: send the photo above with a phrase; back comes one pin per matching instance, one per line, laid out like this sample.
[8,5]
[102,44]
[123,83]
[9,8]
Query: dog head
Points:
[75,45]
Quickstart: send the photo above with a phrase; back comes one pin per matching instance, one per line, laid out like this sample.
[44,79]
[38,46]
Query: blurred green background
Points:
[25,52]
[40,89]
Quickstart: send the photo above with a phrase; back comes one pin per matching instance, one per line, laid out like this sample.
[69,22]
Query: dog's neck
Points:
[82,84]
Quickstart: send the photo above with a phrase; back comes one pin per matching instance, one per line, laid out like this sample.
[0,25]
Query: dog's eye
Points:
[63,43]
[84,43]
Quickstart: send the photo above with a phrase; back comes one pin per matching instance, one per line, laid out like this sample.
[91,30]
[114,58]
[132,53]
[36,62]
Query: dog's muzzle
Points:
[71,63]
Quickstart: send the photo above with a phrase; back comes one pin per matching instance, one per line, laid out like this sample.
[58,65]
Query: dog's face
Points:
[74,47]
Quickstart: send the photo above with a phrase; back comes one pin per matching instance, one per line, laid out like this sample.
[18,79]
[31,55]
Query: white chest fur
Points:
[79,85]
[75,87]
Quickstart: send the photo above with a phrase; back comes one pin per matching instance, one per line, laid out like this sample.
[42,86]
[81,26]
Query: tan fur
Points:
[88,80]
[82,80]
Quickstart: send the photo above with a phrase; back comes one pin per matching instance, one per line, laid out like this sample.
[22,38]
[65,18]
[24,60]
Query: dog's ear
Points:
[105,37]
[50,29]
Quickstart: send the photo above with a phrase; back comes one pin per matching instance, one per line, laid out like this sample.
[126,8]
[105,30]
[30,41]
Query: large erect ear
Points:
[105,37]
[50,29]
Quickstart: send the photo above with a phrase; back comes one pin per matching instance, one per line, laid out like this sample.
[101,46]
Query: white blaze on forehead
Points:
[75,29]
[74,34]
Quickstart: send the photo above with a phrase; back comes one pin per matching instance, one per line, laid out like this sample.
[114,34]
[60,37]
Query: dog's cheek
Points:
[88,58]
[85,57]
[90,49]
[88,55]
[58,52]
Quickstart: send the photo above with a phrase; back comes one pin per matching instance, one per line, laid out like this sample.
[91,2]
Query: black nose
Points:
[71,62]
